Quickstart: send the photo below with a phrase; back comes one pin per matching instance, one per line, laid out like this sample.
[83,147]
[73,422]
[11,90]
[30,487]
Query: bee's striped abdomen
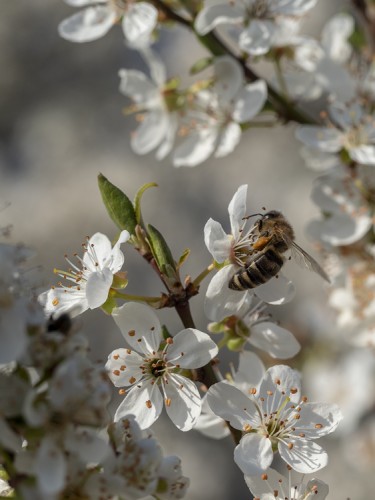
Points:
[261,269]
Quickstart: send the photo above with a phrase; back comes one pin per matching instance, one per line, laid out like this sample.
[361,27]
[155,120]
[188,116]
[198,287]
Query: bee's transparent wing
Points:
[305,260]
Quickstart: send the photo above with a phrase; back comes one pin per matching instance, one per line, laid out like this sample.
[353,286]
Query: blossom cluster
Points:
[55,428]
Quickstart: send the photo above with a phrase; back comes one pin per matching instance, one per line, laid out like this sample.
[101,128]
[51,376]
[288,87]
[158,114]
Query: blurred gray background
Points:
[61,123]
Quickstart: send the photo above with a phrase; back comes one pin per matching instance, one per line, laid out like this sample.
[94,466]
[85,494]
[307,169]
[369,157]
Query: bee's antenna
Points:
[252,215]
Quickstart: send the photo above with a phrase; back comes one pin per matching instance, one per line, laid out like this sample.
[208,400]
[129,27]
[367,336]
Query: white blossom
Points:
[350,128]
[256,19]
[153,370]
[347,214]
[348,382]
[275,417]
[158,123]
[232,251]
[353,297]
[248,375]
[217,115]
[324,63]
[248,321]
[92,278]
[17,312]
[139,19]
[272,484]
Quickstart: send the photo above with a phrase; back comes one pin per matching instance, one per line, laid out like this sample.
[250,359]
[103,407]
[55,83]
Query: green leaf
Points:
[161,252]
[184,256]
[201,65]
[137,200]
[119,207]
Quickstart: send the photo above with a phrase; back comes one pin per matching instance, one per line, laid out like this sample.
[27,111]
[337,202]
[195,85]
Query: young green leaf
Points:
[161,252]
[119,207]
[184,256]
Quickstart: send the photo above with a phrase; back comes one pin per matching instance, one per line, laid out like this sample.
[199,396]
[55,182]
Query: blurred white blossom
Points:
[213,124]
[138,20]
[255,19]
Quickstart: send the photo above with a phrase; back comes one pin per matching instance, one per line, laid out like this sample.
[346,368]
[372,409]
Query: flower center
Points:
[355,137]
[157,367]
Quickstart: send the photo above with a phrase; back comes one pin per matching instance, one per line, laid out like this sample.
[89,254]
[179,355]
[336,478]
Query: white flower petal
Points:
[168,141]
[319,419]
[191,349]
[217,241]
[196,148]
[345,116]
[237,210]
[340,230]
[156,65]
[151,132]
[276,291]
[97,287]
[335,37]
[184,402]
[220,300]
[281,381]
[214,15]
[139,22]
[124,367]
[212,426]
[116,259]
[88,25]
[261,488]
[228,78]
[50,466]
[364,154]
[308,54]
[336,80]
[138,321]
[328,140]
[256,39]
[209,424]
[305,457]
[80,3]
[250,101]
[230,137]
[254,454]
[316,160]
[319,488]
[99,245]
[293,7]
[250,371]
[276,341]
[58,300]
[229,403]
[144,401]
[137,86]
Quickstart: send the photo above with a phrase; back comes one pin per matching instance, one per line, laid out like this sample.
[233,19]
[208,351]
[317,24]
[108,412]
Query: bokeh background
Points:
[61,123]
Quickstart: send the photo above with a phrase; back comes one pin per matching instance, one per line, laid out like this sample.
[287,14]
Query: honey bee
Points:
[272,236]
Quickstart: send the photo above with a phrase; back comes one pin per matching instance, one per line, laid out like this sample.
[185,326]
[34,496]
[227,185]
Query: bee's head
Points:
[269,220]
[271,215]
